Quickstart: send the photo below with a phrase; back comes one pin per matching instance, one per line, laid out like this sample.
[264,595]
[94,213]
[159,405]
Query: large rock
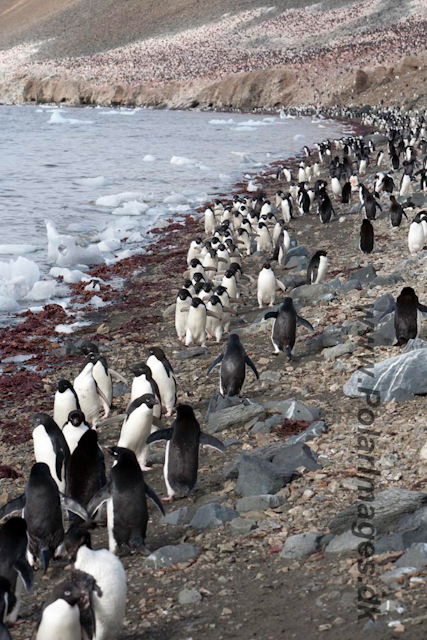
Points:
[242,526]
[390,507]
[212,515]
[332,353]
[385,335]
[293,410]
[310,294]
[259,477]
[218,402]
[259,503]
[364,274]
[415,557]
[302,544]
[171,554]
[296,455]
[329,338]
[398,378]
[179,516]
[237,416]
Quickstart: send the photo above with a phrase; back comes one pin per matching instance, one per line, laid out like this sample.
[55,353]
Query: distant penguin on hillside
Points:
[283,334]
[233,367]
[416,238]
[407,315]
[317,267]
[366,241]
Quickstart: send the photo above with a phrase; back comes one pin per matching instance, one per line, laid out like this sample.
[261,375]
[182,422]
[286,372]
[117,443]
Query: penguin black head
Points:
[93,358]
[148,399]
[208,244]
[207,287]
[198,240]
[221,247]
[198,277]
[44,419]
[230,244]
[196,302]
[408,295]
[123,455]
[75,538]
[195,262]
[16,527]
[76,418]
[141,369]
[215,300]
[63,385]
[65,591]
[287,304]
[215,241]
[220,290]
[157,352]
[229,273]
[185,412]
[187,283]
[235,267]
[233,338]
[89,347]
[198,287]
[183,294]
[40,470]
[266,265]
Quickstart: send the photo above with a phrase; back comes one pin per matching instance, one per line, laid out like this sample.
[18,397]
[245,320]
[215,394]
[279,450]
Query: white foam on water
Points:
[221,122]
[132,208]
[116,199]
[16,249]
[58,118]
[149,158]
[181,161]
[70,328]
[100,181]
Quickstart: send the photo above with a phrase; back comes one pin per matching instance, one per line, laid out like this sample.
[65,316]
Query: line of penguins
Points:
[69,482]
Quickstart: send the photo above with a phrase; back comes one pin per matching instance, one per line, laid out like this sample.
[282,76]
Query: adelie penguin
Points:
[14,566]
[182,451]
[103,375]
[89,394]
[163,374]
[40,505]
[125,495]
[74,428]
[86,469]
[50,446]
[284,330]
[396,212]
[66,400]
[61,616]
[110,577]
[406,315]
[366,240]
[317,267]
[137,426]
[143,383]
[233,367]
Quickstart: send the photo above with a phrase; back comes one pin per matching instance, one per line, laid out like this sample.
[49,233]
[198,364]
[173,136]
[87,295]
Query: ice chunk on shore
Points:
[42,290]
[16,249]
[176,198]
[19,271]
[65,251]
[251,186]
[109,245]
[116,199]
[97,302]
[8,304]
[69,276]
[133,208]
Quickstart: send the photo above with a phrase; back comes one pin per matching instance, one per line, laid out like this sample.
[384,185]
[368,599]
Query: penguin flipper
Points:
[210,441]
[25,573]
[304,323]
[118,376]
[251,365]
[422,308]
[215,363]
[271,314]
[74,506]
[14,507]
[280,285]
[103,396]
[112,420]
[170,310]
[158,423]
[212,314]
[98,500]
[163,434]
[155,498]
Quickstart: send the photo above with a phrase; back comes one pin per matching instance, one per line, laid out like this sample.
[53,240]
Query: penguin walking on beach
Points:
[65,401]
[196,320]
[183,302]
[267,286]
[282,247]
[143,383]
[368,202]
[137,427]
[110,577]
[283,334]
[366,239]
[74,428]
[89,394]
[86,469]
[50,446]
[325,208]
[182,451]
[40,505]
[104,375]
[194,249]
[416,239]
[233,367]
[317,267]
[407,316]
[163,374]
[396,212]
[14,566]
[125,495]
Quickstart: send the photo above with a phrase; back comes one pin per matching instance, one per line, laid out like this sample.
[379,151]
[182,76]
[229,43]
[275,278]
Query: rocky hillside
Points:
[188,53]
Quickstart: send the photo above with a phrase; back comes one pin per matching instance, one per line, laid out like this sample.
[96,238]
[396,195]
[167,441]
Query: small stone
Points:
[308,493]
[259,503]
[190,353]
[242,526]
[189,596]
[226,612]
[301,544]
[270,376]
[212,515]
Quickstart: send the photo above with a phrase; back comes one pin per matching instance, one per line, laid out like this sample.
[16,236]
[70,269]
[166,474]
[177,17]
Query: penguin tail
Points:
[45,557]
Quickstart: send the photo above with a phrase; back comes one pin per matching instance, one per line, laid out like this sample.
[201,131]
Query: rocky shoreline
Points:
[268,530]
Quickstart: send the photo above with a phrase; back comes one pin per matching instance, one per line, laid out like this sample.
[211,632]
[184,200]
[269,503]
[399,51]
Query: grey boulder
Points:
[302,544]
[237,416]
[212,515]
[171,554]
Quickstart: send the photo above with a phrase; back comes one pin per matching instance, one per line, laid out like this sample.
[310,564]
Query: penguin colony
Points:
[68,487]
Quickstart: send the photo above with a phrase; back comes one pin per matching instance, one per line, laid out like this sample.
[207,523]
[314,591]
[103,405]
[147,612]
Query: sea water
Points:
[82,186]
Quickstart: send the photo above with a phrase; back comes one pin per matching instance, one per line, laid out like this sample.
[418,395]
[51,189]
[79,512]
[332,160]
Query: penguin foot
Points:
[168,499]
[145,468]
[271,304]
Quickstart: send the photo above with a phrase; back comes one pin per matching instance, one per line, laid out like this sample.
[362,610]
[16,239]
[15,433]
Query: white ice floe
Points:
[16,249]
[70,328]
[100,181]
[149,158]
[92,286]
[176,198]
[66,252]
[97,302]
[116,199]
[69,276]
[221,122]
[42,290]
[109,245]
[132,208]
[181,161]
[58,118]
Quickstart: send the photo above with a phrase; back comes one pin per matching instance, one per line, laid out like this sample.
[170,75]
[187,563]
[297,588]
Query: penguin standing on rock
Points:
[317,267]
[110,577]
[283,335]
[182,451]
[41,507]
[66,400]
[50,446]
[406,315]
[366,241]
[125,495]
[14,566]
[233,367]
[163,374]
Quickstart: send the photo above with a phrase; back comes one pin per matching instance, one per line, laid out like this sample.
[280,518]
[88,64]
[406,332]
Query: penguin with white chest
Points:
[182,451]
[89,394]
[317,267]
[137,427]
[14,566]
[74,429]
[163,374]
[233,367]
[283,335]
[214,326]
[110,577]
[103,376]
[125,495]
[50,446]
[143,383]
[40,505]
[416,239]
[267,285]
[66,400]
[183,302]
